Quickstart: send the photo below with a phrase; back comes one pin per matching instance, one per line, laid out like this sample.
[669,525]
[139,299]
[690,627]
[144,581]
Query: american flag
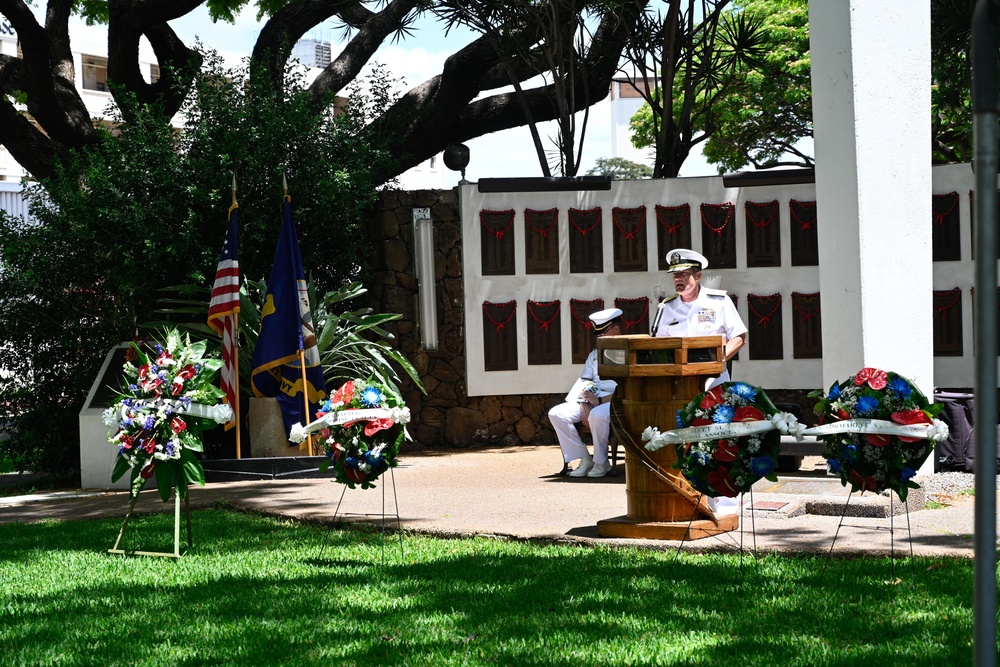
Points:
[223,309]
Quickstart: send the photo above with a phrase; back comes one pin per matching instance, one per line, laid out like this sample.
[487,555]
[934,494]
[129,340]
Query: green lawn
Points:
[262,591]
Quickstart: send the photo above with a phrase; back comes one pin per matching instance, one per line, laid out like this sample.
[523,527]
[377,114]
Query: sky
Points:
[507,153]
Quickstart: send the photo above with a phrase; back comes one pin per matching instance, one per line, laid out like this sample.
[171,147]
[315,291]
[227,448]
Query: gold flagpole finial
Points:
[234,190]
[284,185]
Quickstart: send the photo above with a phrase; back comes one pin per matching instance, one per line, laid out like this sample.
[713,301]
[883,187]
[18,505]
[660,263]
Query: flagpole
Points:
[305,398]
[236,389]
[236,355]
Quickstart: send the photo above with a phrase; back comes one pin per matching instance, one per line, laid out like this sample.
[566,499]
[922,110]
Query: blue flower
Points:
[908,474]
[186,401]
[153,368]
[834,392]
[699,458]
[162,375]
[723,414]
[680,420]
[133,387]
[743,391]
[848,453]
[352,462]
[833,465]
[125,423]
[325,406]
[867,405]
[150,423]
[371,397]
[901,387]
[158,348]
[169,449]
[128,402]
[763,465]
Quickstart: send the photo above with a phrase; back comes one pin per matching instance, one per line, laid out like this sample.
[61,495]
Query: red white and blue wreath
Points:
[726,439]
[360,428]
[878,429]
[168,399]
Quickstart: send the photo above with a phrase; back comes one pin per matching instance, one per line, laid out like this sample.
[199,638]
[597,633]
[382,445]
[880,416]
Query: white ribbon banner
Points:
[787,424]
[937,431]
[341,417]
[220,413]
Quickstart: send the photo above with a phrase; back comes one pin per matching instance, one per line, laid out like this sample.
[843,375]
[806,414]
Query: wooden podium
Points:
[658,377]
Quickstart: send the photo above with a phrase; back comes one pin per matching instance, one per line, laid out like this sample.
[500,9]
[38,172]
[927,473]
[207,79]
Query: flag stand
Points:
[177,531]
[305,398]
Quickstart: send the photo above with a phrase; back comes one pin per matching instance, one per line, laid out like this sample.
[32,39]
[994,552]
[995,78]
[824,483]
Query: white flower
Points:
[109,417]
[298,433]
[938,431]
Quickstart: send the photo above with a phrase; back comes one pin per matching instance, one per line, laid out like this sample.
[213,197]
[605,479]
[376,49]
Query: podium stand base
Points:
[622,526]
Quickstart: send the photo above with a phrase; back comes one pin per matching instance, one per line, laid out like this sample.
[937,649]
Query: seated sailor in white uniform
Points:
[588,402]
[697,310]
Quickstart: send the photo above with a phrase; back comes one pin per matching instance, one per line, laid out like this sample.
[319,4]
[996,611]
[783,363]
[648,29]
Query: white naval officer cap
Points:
[682,259]
[603,319]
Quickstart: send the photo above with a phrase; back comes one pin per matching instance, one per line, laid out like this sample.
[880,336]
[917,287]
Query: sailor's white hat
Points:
[682,259]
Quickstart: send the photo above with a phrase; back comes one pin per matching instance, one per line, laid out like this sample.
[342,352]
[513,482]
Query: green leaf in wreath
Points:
[164,480]
[121,466]
[193,472]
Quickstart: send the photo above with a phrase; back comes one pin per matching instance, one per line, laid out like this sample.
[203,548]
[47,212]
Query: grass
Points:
[262,591]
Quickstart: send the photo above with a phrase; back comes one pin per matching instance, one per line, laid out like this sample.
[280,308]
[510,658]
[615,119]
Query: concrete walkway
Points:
[515,493]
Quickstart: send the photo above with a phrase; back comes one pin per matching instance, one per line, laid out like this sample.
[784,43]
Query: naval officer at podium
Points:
[696,310]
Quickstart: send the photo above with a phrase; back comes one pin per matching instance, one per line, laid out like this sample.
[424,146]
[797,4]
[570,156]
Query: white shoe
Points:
[600,469]
[582,469]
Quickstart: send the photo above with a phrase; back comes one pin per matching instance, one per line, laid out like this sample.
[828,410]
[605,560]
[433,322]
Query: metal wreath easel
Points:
[177,530]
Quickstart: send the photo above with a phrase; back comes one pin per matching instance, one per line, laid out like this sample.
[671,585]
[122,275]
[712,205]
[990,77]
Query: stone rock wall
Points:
[445,416]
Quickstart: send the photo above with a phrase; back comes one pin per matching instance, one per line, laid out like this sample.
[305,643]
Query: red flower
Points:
[726,451]
[720,480]
[877,440]
[876,379]
[911,417]
[712,398]
[355,474]
[863,483]
[126,440]
[748,413]
[177,425]
[345,394]
[163,357]
[324,433]
[701,421]
[186,373]
[337,452]
[841,415]
[148,471]
[143,371]
[376,425]
[178,388]
[150,445]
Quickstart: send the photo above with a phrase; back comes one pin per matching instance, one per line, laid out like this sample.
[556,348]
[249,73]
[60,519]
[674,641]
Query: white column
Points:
[871,87]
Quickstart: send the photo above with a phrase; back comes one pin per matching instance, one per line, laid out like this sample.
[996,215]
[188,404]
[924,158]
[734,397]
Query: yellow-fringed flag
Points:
[224,308]
[287,335]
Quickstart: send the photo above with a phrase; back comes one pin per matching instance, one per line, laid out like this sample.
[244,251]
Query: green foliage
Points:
[351,344]
[752,92]
[266,591]
[620,169]
[146,207]
[768,108]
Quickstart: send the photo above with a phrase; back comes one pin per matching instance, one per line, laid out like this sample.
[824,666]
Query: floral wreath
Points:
[360,429]
[727,439]
[168,400]
[878,429]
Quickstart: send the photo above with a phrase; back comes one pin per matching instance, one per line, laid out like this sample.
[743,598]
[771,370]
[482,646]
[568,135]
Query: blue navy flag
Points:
[286,327]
